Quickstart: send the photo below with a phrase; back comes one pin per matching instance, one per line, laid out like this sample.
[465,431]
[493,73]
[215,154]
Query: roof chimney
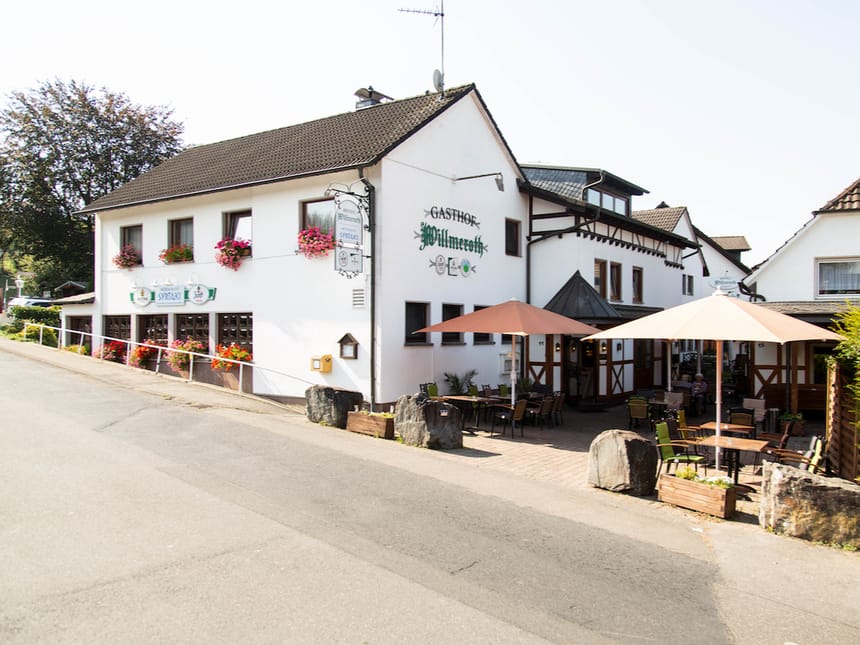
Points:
[369,97]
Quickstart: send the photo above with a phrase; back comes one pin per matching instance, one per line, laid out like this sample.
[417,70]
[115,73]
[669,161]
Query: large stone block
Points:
[620,460]
[797,503]
[330,405]
[425,423]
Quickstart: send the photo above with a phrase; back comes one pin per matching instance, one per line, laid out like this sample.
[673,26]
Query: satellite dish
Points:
[438,80]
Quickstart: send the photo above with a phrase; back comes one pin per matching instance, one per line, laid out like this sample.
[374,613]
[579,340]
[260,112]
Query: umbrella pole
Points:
[513,372]
[719,397]
[669,365]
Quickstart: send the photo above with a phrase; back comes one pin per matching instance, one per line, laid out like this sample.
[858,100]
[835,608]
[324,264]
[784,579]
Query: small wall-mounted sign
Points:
[172,295]
[321,363]
[348,347]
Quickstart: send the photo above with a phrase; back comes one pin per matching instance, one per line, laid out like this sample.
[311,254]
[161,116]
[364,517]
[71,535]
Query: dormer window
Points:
[607,201]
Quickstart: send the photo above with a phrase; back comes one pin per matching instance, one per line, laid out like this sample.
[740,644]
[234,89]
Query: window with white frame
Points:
[838,277]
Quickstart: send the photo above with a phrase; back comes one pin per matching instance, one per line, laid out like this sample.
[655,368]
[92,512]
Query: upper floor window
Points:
[132,236]
[687,285]
[607,201]
[237,226]
[512,237]
[615,281]
[839,277]
[449,312]
[181,231]
[319,213]
[600,277]
[637,285]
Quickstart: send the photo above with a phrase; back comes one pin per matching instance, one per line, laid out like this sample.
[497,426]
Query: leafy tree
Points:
[64,145]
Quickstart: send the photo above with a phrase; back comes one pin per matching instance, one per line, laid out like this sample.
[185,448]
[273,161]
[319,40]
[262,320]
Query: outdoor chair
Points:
[432,390]
[507,414]
[504,390]
[674,400]
[777,442]
[742,416]
[541,412]
[558,408]
[811,459]
[676,452]
[687,433]
[422,387]
[758,409]
[637,410]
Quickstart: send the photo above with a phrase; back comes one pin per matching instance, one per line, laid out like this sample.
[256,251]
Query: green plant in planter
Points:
[790,416]
[460,384]
[691,475]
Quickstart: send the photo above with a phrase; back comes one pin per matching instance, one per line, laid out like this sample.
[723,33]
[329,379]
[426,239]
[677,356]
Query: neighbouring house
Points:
[813,275]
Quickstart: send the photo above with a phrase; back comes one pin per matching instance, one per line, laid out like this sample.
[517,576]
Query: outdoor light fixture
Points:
[618,346]
[500,180]
[19,283]
[558,347]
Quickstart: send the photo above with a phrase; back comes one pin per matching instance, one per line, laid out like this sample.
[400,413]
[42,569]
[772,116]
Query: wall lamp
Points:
[558,347]
[500,181]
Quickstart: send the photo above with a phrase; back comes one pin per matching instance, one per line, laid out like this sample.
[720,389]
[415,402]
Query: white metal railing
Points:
[131,345]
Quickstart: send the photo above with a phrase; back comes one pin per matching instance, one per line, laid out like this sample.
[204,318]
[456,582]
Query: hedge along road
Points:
[135,512]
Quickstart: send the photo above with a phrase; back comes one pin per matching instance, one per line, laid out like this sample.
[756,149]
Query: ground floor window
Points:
[152,328]
[416,318]
[83,325]
[118,327]
[194,326]
[449,312]
[481,338]
[236,328]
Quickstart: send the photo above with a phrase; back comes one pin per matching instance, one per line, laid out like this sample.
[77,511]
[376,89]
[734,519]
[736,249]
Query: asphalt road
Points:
[132,514]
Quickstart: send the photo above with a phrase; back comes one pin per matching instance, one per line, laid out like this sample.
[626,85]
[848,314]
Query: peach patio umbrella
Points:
[517,319]
[719,318]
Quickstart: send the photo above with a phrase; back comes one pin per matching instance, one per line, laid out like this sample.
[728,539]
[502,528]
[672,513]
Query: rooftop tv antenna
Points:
[438,76]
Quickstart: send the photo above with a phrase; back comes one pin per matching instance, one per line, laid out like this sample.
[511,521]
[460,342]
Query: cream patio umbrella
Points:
[719,317]
[517,319]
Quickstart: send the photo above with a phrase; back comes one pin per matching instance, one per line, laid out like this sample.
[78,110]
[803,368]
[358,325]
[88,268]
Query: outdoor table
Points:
[733,447]
[467,403]
[728,428]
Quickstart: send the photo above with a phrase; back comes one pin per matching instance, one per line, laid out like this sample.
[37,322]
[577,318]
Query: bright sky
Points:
[745,111]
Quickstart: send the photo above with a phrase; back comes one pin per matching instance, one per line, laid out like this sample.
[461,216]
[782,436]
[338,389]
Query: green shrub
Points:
[44,315]
[49,336]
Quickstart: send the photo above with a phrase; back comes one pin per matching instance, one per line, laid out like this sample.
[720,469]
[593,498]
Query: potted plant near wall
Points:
[143,354]
[228,370]
[230,253]
[375,424]
[712,495]
[178,253]
[180,360]
[127,258]
[798,430]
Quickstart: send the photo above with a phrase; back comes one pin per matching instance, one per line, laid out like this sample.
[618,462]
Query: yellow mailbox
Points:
[321,363]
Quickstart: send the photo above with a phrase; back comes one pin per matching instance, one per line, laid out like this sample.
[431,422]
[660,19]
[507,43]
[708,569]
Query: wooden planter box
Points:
[697,496]
[374,425]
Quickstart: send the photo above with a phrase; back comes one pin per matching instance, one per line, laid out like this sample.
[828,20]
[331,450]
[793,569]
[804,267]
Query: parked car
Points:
[29,301]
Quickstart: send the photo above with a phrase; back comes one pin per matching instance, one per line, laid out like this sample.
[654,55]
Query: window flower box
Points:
[697,495]
[370,423]
[313,243]
[178,253]
[230,252]
[127,258]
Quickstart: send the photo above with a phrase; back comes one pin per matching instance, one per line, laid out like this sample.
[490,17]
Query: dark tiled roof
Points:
[578,300]
[570,182]
[847,200]
[816,312]
[331,144]
[732,242]
[665,218]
